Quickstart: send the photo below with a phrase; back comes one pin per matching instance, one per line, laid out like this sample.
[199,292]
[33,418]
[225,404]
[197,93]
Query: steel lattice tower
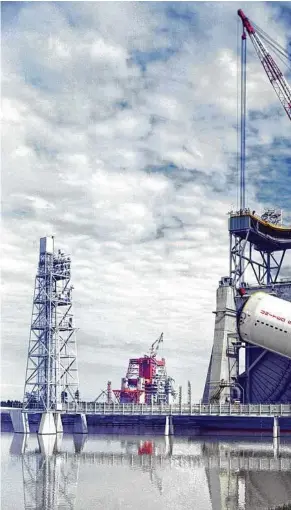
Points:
[52,371]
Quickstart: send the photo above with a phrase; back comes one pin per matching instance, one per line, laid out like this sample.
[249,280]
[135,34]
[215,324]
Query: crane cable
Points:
[282,56]
[280,52]
[272,41]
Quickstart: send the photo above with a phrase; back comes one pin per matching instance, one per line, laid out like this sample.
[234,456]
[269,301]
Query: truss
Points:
[264,266]
[52,372]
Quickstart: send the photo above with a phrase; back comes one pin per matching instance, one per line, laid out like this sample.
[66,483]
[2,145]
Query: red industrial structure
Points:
[146,380]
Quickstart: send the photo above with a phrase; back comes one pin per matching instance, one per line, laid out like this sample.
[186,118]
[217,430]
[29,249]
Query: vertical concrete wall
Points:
[58,423]
[19,421]
[225,323]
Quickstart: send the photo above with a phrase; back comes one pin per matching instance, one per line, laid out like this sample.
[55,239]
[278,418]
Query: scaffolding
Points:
[52,371]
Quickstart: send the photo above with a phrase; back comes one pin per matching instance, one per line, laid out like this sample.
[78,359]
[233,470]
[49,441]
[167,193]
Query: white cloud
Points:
[88,138]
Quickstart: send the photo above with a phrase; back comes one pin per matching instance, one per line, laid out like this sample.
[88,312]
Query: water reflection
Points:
[49,478]
[241,476]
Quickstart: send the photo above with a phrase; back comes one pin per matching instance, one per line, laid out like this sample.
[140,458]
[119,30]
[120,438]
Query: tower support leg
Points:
[169,428]
[19,421]
[47,424]
[276,427]
[80,424]
[58,422]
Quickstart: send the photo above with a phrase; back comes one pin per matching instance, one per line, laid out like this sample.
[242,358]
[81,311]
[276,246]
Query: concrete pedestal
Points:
[58,423]
[169,428]
[47,424]
[19,421]
[80,424]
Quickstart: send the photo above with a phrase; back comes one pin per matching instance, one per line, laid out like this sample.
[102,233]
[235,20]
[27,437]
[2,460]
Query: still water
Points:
[122,472]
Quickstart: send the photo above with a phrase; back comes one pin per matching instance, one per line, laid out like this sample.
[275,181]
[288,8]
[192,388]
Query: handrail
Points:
[260,220]
[165,409]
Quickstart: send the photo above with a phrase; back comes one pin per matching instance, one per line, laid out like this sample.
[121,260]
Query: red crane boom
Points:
[274,74]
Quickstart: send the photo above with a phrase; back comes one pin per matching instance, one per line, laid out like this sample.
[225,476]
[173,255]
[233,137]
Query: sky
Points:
[120,139]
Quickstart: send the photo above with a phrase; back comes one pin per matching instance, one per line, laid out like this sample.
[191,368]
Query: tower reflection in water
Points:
[239,477]
[50,477]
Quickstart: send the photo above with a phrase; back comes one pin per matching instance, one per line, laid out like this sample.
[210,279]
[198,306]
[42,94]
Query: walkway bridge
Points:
[197,417]
[104,409]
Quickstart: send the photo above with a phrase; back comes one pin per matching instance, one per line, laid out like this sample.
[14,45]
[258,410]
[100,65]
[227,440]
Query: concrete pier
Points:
[19,421]
[58,423]
[47,424]
[225,324]
[80,424]
[169,428]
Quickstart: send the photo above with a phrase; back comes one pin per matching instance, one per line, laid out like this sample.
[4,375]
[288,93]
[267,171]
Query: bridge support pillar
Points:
[19,421]
[47,424]
[276,427]
[169,427]
[58,423]
[80,424]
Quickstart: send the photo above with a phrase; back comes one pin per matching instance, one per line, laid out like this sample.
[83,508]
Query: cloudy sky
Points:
[119,138]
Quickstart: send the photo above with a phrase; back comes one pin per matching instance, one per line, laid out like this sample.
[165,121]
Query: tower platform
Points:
[263,235]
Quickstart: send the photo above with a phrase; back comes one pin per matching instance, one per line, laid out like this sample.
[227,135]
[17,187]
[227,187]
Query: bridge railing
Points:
[184,409]
[165,409]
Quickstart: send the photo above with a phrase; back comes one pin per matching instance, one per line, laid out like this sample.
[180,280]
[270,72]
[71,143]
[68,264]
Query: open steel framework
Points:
[257,253]
[256,247]
[51,372]
[257,256]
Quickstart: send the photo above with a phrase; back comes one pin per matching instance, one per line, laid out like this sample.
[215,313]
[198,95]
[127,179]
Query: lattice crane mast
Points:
[273,72]
[155,346]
